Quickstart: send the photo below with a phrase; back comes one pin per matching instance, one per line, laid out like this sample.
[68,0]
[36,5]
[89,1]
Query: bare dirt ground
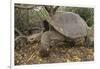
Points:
[26,53]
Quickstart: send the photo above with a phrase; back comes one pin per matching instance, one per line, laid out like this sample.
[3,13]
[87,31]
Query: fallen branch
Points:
[24,6]
[18,37]
[19,32]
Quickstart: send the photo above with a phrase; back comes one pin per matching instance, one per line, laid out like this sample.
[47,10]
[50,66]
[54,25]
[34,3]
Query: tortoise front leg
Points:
[45,45]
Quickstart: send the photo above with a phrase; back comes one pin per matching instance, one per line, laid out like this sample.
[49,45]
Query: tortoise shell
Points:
[69,24]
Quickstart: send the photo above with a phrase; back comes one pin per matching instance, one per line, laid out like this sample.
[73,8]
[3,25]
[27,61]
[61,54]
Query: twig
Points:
[19,32]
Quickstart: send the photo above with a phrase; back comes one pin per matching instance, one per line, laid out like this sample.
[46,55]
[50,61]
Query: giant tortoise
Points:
[69,27]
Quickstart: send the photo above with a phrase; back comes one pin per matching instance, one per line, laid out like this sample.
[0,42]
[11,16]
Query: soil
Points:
[28,53]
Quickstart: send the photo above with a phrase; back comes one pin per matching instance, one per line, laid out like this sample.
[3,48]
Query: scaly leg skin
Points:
[88,42]
[44,47]
[46,41]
